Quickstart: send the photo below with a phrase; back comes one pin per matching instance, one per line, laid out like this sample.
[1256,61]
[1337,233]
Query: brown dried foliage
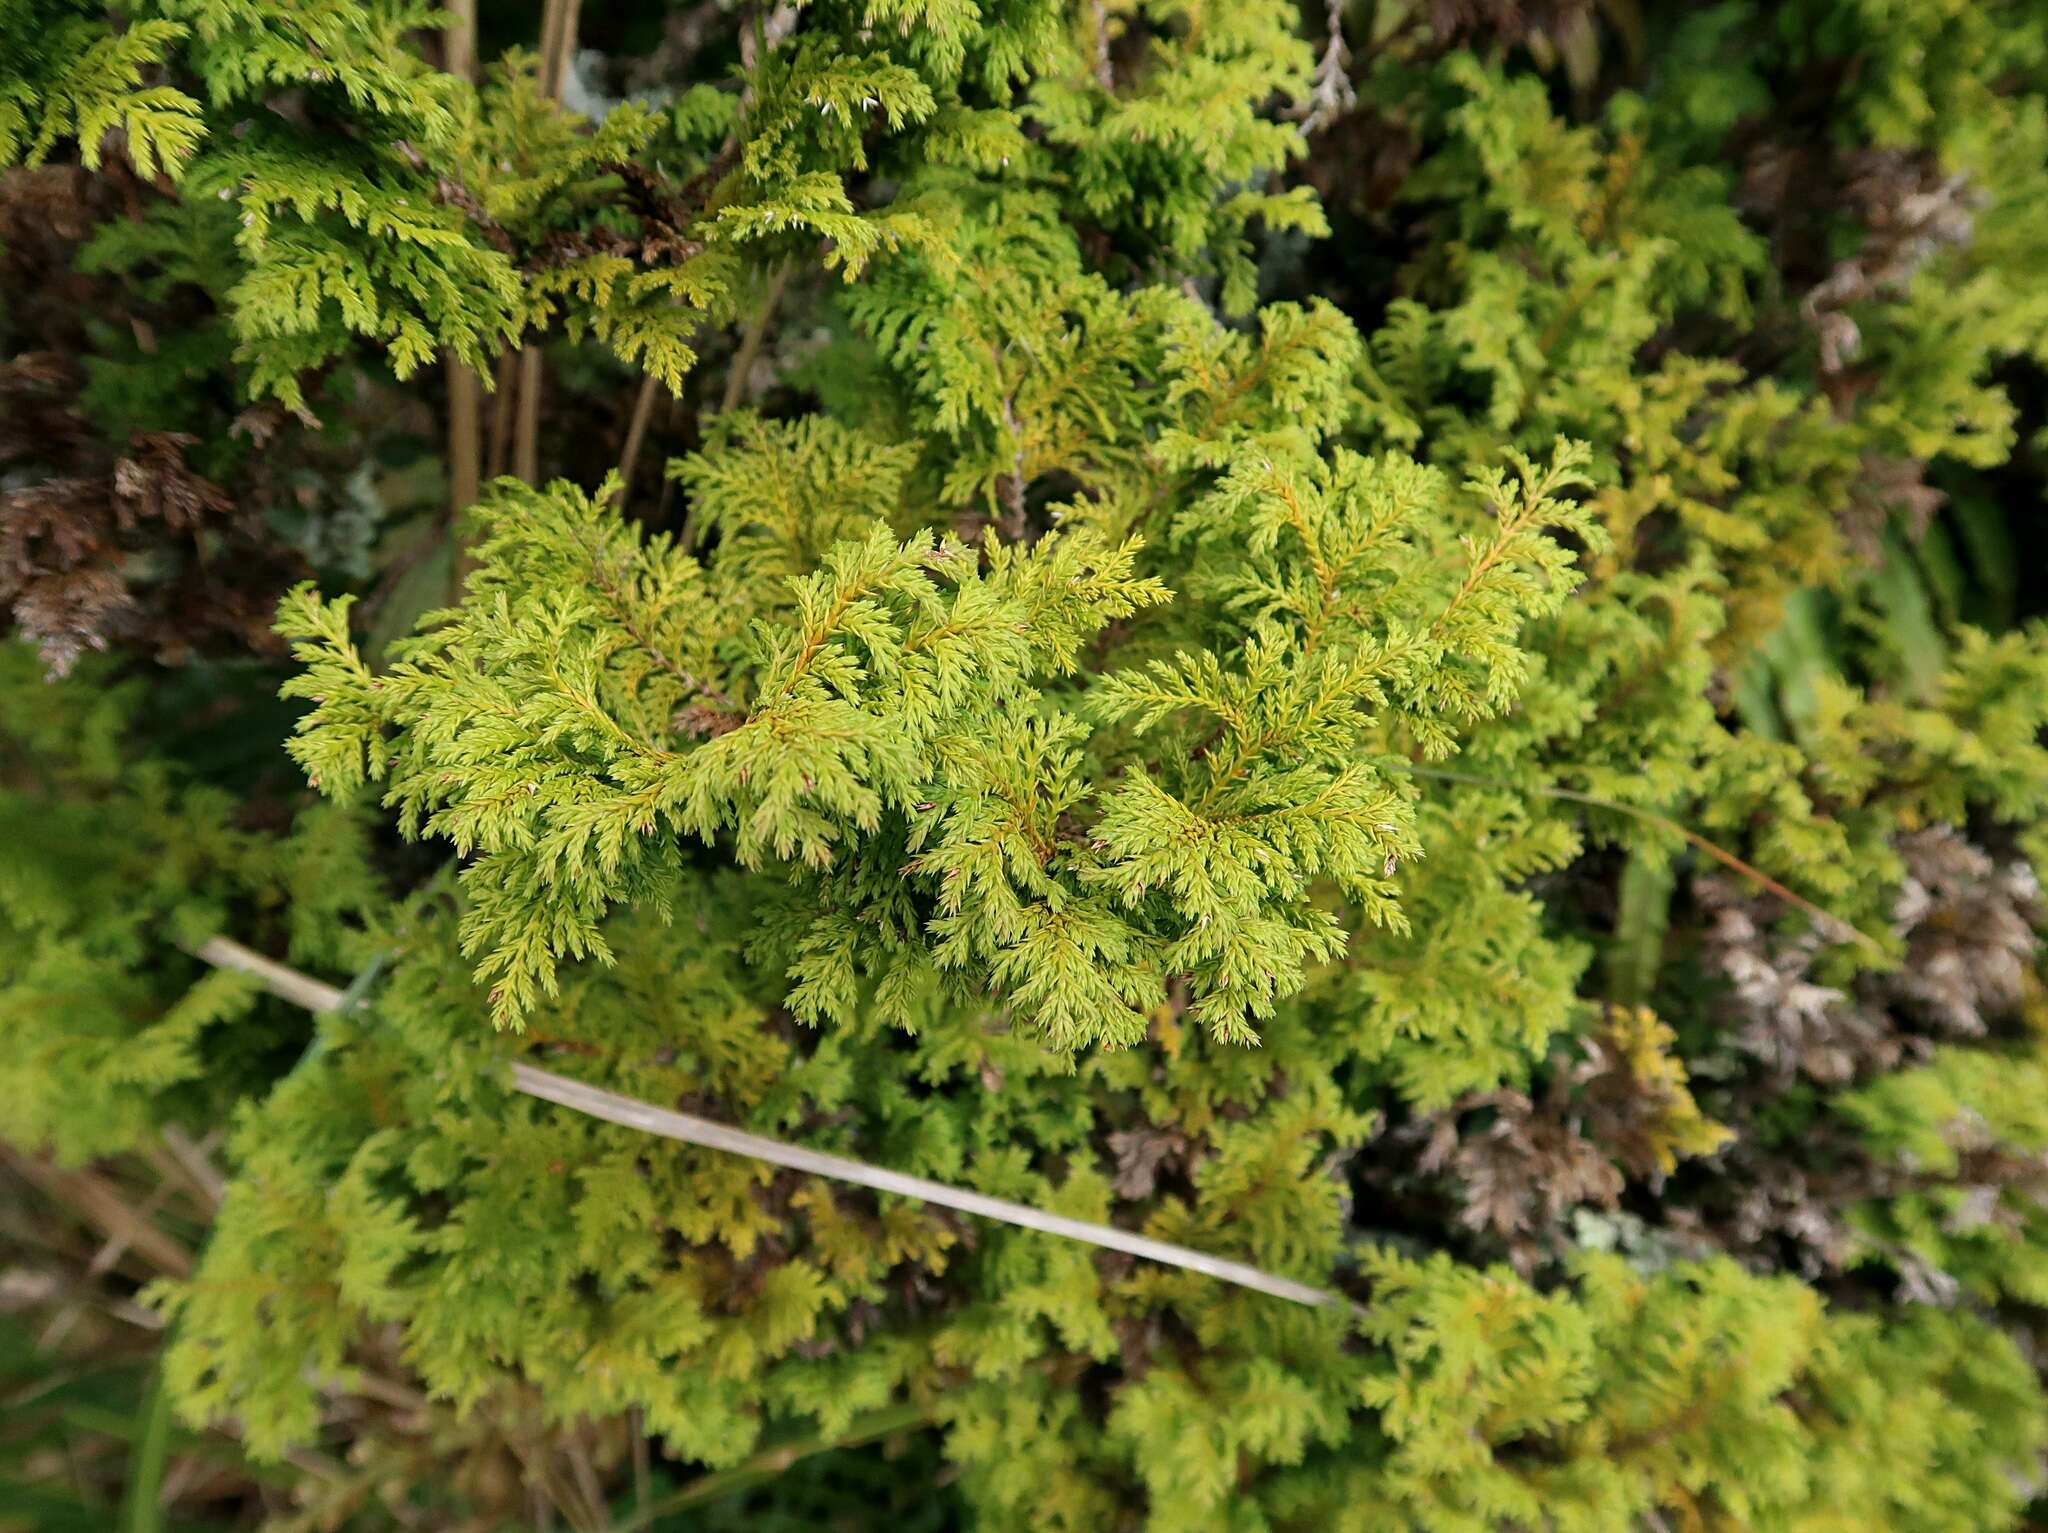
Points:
[1615,1109]
[129,547]
[1910,211]
[104,543]
[1507,22]
[1967,920]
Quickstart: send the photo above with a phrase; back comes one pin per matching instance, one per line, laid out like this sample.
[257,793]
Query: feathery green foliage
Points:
[1402,650]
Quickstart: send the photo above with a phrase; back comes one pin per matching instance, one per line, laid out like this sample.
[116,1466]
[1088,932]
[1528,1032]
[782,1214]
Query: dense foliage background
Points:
[1407,642]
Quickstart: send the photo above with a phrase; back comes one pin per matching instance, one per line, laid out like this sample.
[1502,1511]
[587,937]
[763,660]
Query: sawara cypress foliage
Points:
[1393,644]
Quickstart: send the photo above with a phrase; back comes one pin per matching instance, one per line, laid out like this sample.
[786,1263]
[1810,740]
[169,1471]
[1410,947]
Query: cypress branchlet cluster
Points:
[1403,642]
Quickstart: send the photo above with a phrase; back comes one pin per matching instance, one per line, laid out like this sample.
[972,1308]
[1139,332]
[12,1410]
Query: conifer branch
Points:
[503,397]
[465,444]
[557,50]
[101,1205]
[770,1462]
[465,406]
[644,399]
[613,1108]
[280,980]
[1826,920]
[526,421]
[303,990]
[750,344]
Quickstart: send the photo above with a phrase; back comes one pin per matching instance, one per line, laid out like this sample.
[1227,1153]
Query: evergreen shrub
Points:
[1401,641]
